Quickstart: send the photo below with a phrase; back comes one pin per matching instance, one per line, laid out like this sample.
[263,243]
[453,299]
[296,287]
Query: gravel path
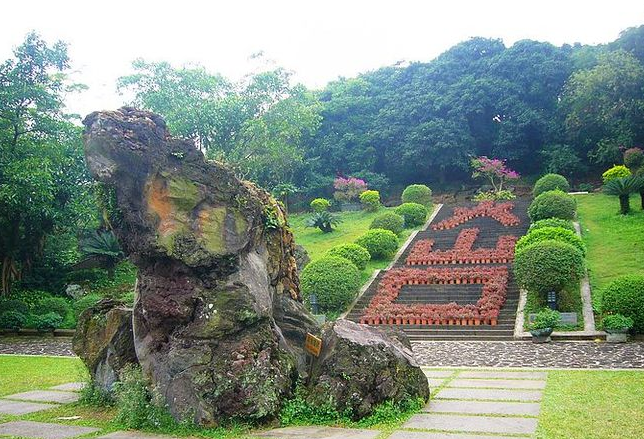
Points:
[526,354]
[24,345]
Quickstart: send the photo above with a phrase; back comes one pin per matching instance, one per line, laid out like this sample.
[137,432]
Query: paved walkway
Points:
[25,345]
[592,355]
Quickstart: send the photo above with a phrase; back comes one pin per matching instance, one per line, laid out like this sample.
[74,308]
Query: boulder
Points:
[302,258]
[219,324]
[105,342]
[361,366]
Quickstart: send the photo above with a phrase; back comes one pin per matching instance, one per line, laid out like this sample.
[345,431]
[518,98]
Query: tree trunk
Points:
[624,204]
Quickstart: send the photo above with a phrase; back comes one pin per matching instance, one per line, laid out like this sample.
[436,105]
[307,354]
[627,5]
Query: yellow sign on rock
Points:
[313,344]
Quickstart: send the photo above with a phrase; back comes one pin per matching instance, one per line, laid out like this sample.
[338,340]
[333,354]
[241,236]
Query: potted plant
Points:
[543,325]
[617,327]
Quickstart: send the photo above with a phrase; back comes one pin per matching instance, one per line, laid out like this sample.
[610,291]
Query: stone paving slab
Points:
[45,396]
[499,384]
[483,407]
[438,373]
[319,433]
[478,424]
[134,435]
[42,430]
[428,435]
[8,407]
[435,382]
[490,394]
[489,374]
[69,387]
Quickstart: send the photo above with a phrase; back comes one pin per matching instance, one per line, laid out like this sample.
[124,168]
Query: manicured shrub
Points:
[380,243]
[47,322]
[14,305]
[552,222]
[546,319]
[389,221]
[548,266]
[617,171]
[625,295]
[417,193]
[333,279]
[634,158]
[320,205]
[552,204]
[551,233]
[370,200]
[48,305]
[413,213]
[353,252]
[550,182]
[617,322]
[12,320]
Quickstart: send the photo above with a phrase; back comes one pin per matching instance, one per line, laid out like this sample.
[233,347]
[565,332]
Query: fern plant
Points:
[622,188]
[324,221]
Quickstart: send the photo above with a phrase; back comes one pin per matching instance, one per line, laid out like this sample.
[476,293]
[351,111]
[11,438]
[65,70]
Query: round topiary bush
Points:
[47,322]
[417,193]
[551,233]
[12,320]
[320,205]
[389,221]
[550,182]
[548,266]
[334,281]
[552,222]
[617,171]
[414,214]
[370,200]
[380,243]
[625,295]
[353,252]
[552,204]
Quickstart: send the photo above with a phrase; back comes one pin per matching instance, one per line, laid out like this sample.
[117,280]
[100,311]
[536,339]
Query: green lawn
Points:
[21,373]
[615,242]
[592,405]
[352,226]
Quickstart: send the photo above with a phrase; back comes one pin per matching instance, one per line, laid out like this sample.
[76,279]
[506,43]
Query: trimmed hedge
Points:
[389,221]
[334,281]
[553,204]
[380,243]
[413,213]
[625,295]
[320,205]
[550,182]
[417,193]
[551,233]
[552,222]
[370,200]
[12,320]
[353,252]
[548,266]
[617,171]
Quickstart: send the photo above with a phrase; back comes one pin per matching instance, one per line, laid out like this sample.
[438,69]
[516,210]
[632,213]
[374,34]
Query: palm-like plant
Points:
[103,248]
[623,188]
[323,220]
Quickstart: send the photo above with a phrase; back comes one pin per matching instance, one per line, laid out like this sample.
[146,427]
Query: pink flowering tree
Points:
[348,189]
[494,171]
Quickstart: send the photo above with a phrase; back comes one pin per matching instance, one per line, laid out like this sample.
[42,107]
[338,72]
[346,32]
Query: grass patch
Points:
[615,242]
[22,373]
[592,405]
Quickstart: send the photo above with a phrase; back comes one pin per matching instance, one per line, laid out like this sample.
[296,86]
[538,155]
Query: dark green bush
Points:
[548,266]
[551,233]
[47,322]
[333,279]
[389,221]
[48,305]
[94,395]
[552,222]
[413,213]
[353,252]
[550,182]
[380,243]
[546,318]
[417,193]
[14,305]
[553,204]
[12,320]
[625,295]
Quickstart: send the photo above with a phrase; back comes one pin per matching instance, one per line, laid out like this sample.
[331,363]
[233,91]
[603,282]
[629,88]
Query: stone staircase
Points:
[490,231]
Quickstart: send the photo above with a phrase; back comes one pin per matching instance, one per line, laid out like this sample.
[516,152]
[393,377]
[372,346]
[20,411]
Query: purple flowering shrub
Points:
[496,173]
[348,189]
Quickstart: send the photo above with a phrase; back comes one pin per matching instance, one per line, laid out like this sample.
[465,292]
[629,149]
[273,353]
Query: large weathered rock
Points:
[361,367]
[105,342]
[218,320]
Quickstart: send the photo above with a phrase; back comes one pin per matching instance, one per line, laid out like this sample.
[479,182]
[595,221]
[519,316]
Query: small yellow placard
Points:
[313,344]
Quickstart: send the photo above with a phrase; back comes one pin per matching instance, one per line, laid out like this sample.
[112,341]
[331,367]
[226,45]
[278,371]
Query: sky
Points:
[318,40]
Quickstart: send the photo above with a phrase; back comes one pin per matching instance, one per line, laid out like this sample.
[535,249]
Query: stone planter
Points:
[350,207]
[541,335]
[617,335]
